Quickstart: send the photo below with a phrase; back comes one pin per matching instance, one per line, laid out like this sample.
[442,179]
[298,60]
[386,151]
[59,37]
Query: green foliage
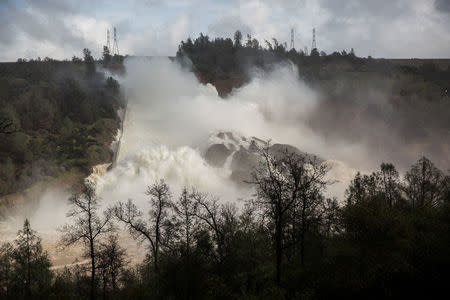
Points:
[60,118]
[89,62]
[28,267]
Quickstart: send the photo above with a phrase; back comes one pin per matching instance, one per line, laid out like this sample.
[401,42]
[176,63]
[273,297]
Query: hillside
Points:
[61,117]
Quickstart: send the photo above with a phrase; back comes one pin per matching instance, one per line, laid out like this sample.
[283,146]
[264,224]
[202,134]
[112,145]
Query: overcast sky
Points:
[381,28]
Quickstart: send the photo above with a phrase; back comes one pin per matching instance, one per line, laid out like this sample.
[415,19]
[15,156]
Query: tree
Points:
[315,53]
[383,185]
[289,190]
[111,263]
[89,61]
[6,270]
[237,39]
[186,211]
[187,229]
[88,227]
[423,184]
[30,262]
[216,218]
[248,43]
[255,44]
[76,60]
[154,230]
[106,55]
[391,183]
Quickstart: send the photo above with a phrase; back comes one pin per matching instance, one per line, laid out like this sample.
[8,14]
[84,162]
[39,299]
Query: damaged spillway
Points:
[99,170]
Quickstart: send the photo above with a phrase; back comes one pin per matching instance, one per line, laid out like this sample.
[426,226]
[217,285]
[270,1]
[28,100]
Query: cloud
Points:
[47,28]
[442,5]
[384,28]
[161,41]
[226,26]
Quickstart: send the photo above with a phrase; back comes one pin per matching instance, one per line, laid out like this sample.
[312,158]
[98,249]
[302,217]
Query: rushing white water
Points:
[171,119]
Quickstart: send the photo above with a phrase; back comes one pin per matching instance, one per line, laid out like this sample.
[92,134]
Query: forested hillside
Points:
[58,118]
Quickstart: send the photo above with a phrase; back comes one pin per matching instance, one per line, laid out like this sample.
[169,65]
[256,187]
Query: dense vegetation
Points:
[224,58]
[391,238]
[55,117]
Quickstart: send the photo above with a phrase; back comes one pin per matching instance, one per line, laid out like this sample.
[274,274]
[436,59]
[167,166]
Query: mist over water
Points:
[171,118]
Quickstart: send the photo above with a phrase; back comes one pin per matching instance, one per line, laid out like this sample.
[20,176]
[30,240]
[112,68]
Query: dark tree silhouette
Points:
[154,230]
[288,189]
[106,56]
[237,39]
[89,61]
[31,262]
[88,227]
[111,263]
[423,184]
[6,269]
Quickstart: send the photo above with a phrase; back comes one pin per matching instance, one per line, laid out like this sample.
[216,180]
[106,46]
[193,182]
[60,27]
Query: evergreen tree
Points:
[31,263]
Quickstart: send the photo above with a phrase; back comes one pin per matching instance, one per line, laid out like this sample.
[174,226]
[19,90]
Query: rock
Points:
[244,151]
[217,154]
[279,149]
[242,165]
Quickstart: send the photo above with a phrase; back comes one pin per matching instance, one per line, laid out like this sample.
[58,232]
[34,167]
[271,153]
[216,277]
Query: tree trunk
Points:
[92,270]
[92,253]
[302,234]
[278,250]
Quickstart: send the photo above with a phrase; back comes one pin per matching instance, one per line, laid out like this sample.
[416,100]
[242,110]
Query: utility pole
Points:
[314,46]
[115,50]
[292,39]
[108,43]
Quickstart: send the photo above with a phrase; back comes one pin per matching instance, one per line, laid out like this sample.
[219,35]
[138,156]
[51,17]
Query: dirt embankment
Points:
[15,201]
[223,86]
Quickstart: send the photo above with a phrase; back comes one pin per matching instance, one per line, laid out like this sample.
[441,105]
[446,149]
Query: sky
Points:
[383,28]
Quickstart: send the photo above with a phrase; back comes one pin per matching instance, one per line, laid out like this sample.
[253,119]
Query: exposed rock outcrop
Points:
[243,152]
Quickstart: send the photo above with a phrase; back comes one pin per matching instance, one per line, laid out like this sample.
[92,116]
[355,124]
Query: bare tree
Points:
[186,211]
[289,189]
[153,230]
[87,227]
[211,214]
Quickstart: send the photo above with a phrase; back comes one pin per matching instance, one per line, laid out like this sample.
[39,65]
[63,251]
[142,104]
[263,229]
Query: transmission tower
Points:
[115,49]
[314,46]
[292,39]
[108,43]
